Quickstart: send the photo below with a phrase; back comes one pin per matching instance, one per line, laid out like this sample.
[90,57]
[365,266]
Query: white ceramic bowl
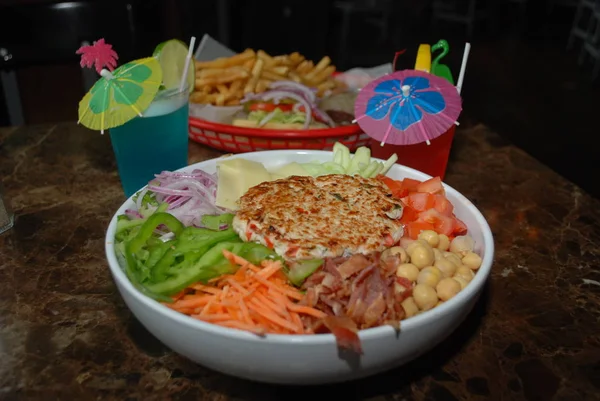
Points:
[306,359]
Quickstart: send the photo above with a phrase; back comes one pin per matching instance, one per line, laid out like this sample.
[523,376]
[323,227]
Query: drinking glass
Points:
[7,217]
[430,159]
[155,142]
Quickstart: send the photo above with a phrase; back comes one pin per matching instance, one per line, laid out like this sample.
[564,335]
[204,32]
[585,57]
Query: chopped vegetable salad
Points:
[179,248]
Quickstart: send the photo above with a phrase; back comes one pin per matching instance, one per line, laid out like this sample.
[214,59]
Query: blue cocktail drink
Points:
[152,143]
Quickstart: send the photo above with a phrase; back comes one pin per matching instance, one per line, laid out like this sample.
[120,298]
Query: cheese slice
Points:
[290,169]
[235,177]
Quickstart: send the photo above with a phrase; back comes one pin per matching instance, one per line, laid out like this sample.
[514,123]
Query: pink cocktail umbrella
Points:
[407,107]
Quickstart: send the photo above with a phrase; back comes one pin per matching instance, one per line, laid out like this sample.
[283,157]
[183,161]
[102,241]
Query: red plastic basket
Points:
[230,138]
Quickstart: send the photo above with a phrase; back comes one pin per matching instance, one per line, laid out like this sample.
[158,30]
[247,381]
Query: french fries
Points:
[257,70]
[226,80]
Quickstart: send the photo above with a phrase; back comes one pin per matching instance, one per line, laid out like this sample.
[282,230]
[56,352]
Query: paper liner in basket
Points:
[210,49]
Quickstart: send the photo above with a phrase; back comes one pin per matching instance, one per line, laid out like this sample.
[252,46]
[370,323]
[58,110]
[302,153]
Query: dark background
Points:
[521,80]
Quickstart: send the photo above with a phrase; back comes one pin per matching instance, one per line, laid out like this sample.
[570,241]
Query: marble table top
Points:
[65,332]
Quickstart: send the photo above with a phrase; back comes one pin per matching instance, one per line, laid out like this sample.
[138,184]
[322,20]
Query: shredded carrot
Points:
[307,310]
[205,288]
[255,299]
[198,300]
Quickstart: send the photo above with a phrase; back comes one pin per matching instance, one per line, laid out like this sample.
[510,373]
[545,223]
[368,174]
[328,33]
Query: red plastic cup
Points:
[430,159]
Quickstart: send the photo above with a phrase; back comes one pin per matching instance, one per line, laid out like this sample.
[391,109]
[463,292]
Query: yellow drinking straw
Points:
[423,62]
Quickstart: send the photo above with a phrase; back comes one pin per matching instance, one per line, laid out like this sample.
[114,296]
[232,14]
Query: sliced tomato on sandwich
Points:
[269,106]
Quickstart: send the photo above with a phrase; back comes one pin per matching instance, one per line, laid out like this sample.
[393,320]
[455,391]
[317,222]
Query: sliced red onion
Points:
[202,176]
[182,187]
[303,95]
[251,96]
[324,116]
[272,95]
[190,195]
[305,90]
[133,214]
[176,201]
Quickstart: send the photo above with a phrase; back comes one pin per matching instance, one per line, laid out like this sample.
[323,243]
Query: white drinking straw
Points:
[463,67]
[187,64]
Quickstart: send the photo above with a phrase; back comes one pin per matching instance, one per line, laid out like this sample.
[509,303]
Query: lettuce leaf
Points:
[281,117]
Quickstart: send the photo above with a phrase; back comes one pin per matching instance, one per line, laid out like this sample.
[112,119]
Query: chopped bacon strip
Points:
[357,293]
[353,265]
[345,331]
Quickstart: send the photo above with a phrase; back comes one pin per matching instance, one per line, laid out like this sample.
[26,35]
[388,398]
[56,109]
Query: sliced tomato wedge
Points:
[400,188]
[410,185]
[425,207]
[408,214]
[395,186]
[443,205]
[441,224]
[432,186]
[414,228]
[400,193]
[444,225]
[419,201]
[460,228]
[391,183]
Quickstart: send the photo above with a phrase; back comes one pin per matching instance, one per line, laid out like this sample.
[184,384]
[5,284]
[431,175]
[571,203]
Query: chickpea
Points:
[472,260]
[447,267]
[405,242]
[447,288]
[410,247]
[463,283]
[431,237]
[443,243]
[410,307]
[452,257]
[440,302]
[425,296]
[422,256]
[464,272]
[408,271]
[430,276]
[462,244]
[437,254]
[395,251]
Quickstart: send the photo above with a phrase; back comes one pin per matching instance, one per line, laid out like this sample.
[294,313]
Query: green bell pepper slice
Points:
[191,244]
[211,264]
[144,234]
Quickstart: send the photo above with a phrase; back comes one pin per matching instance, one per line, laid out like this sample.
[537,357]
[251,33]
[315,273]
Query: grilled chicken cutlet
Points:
[317,217]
